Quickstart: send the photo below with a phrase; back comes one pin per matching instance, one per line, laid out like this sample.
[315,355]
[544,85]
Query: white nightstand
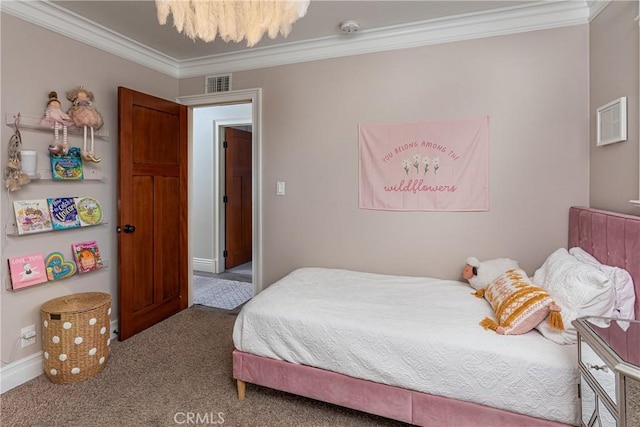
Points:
[609,360]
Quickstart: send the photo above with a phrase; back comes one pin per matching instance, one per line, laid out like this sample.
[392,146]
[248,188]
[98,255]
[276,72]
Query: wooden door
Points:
[238,206]
[152,210]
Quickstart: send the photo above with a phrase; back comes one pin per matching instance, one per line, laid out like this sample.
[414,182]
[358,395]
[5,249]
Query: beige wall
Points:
[534,87]
[34,62]
[613,64]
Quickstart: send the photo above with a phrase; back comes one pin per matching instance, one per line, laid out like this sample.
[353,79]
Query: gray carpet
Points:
[156,378]
[220,293]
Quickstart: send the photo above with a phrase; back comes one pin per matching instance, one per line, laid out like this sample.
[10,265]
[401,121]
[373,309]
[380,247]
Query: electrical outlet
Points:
[28,335]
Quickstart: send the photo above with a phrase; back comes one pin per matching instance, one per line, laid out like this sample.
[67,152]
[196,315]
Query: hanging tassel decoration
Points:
[14,177]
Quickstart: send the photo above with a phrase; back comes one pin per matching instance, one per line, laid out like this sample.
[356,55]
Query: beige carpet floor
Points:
[178,372]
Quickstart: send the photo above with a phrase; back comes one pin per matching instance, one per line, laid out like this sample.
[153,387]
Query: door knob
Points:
[128,228]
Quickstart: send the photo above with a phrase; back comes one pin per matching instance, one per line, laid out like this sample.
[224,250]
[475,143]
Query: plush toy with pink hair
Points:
[480,274]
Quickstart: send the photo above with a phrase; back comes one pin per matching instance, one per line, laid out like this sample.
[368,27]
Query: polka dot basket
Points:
[75,336]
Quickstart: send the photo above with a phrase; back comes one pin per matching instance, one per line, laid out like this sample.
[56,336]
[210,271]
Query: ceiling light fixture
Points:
[233,20]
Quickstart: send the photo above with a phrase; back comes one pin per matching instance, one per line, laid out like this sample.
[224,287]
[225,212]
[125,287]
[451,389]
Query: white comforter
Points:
[416,333]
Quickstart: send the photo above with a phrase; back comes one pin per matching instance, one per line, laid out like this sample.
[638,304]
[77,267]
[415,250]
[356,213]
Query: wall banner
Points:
[425,166]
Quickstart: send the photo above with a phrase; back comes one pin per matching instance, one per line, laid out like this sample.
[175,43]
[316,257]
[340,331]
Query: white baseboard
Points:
[201,264]
[30,367]
[20,371]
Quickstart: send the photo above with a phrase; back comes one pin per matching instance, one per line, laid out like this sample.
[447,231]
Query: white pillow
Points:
[578,288]
[622,282]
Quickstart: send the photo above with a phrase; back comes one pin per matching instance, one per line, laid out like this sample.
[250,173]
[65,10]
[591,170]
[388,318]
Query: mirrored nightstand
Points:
[609,360]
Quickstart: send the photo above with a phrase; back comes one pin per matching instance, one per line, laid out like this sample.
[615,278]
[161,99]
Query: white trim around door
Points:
[254,96]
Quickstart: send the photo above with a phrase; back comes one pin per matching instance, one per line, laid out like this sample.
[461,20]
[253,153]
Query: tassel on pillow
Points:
[554,319]
[487,323]
[479,293]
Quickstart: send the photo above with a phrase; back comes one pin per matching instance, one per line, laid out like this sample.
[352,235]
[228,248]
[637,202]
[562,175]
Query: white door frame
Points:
[254,96]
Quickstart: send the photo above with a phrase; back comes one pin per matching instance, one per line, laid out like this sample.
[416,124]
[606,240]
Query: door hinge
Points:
[225,144]
[225,254]
[225,199]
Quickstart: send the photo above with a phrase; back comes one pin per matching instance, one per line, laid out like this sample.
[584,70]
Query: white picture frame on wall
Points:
[612,122]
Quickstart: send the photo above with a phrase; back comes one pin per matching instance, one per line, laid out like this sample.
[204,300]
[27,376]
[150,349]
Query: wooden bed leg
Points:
[242,388]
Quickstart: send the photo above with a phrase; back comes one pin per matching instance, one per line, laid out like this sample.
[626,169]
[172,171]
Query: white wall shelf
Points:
[27,122]
[9,286]
[635,202]
[10,229]
[89,175]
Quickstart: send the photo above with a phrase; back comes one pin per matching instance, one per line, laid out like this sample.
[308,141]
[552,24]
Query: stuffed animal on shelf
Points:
[57,119]
[53,113]
[85,115]
[480,274]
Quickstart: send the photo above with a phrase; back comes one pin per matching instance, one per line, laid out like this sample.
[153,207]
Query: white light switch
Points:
[280,188]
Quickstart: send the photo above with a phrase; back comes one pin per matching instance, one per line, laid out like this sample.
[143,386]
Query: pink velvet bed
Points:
[614,239]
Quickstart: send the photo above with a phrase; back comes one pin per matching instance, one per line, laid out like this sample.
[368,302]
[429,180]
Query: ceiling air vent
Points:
[221,83]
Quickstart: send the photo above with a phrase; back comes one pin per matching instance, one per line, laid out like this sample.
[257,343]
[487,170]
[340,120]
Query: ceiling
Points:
[130,29]
[137,20]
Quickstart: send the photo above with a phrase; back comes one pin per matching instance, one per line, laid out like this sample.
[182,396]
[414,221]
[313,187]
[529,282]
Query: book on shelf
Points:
[64,213]
[57,267]
[67,166]
[32,216]
[87,256]
[89,211]
[27,270]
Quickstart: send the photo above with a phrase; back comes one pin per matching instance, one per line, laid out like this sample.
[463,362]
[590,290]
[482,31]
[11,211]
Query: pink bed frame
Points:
[612,238]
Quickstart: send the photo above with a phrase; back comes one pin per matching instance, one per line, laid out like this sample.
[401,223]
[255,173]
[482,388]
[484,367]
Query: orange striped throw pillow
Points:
[519,306]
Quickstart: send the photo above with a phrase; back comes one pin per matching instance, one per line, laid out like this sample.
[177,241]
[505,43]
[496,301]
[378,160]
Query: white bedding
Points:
[416,333]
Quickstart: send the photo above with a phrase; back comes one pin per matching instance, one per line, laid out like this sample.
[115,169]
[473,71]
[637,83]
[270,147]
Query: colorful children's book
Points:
[32,216]
[27,270]
[57,267]
[89,211]
[87,256]
[63,213]
[67,166]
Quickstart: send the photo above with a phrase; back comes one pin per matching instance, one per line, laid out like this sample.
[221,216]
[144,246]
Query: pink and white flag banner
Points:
[425,166]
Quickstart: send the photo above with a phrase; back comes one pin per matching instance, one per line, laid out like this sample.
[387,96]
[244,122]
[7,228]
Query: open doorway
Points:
[209,122]
[223,195]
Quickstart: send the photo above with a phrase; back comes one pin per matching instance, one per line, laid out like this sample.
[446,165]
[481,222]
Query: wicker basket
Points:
[75,336]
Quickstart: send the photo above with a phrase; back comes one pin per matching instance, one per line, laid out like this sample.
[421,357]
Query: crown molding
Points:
[511,20]
[596,6]
[54,18]
[518,19]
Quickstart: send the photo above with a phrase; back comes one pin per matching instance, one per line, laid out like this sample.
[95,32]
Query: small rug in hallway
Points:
[220,293]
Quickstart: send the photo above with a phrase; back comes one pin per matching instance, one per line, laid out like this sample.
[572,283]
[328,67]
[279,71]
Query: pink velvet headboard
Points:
[612,238]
